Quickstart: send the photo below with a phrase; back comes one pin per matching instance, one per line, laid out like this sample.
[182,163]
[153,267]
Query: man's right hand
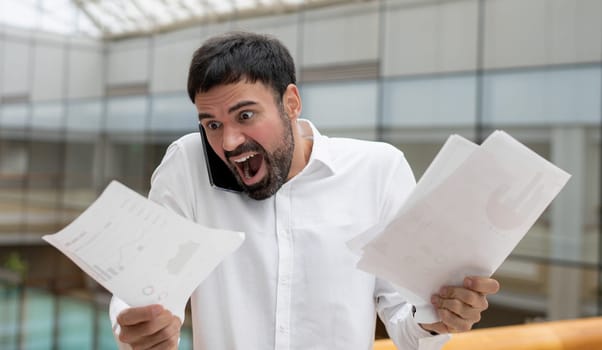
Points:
[149,327]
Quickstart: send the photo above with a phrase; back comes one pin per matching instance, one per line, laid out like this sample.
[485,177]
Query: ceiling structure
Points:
[113,19]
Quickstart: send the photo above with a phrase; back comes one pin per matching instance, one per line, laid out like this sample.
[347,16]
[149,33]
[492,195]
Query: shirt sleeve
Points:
[115,307]
[395,312]
[397,316]
[170,182]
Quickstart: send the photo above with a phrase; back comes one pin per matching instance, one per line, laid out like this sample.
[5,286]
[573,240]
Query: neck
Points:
[303,136]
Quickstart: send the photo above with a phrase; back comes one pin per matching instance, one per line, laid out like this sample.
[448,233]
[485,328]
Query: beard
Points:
[278,163]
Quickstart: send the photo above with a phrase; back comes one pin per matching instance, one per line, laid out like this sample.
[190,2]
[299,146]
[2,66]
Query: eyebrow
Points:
[232,109]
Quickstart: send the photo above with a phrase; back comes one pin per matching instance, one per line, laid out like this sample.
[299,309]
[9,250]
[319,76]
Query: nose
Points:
[232,137]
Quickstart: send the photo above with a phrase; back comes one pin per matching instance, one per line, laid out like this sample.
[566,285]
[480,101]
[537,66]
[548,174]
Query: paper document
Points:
[142,252]
[465,216]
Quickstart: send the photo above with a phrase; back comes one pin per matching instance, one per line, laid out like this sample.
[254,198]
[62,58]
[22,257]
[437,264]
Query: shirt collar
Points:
[320,152]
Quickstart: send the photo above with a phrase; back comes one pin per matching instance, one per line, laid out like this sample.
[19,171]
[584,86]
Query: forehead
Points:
[223,96]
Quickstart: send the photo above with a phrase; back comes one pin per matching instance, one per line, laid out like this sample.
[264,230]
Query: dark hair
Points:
[235,56]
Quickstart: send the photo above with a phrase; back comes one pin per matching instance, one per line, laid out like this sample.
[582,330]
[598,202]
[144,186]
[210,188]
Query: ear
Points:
[292,101]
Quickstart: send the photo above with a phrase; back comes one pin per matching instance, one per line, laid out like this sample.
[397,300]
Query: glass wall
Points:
[35,319]
[407,72]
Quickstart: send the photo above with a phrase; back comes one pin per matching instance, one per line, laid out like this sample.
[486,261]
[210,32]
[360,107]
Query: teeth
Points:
[244,158]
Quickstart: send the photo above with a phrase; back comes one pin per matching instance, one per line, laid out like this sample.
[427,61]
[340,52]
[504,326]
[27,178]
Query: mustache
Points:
[249,146]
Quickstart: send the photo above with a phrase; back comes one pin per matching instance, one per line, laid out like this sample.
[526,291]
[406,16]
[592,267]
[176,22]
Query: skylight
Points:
[121,18]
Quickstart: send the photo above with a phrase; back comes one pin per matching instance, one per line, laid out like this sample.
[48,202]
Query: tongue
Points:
[254,164]
[251,166]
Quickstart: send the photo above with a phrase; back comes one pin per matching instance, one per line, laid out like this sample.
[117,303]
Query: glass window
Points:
[341,105]
[82,178]
[186,338]
[44,186]
[75,324]
[542,97]
[126,114]
[38,319]
[125,162]
[14,116]
[10,304]
[14,159]
[48,115]
[431,101]
[173,113]
[105,339]
[84,116]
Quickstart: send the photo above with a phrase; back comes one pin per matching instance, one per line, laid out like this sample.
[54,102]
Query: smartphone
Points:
[220,174]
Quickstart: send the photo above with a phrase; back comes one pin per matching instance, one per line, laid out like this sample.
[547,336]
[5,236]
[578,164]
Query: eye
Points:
[212,125]
[246,115]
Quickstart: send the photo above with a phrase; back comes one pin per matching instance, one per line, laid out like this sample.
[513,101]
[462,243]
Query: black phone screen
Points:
[219,174]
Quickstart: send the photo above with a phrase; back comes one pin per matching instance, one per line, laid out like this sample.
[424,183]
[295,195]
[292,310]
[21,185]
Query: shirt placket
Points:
[285,269]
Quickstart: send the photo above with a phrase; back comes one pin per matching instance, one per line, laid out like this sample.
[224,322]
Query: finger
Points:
[438,327]
[169,344]
[453,322]
[466,296]
[164,338]
[137,315]
[483,285]
[457,307]
[133,334]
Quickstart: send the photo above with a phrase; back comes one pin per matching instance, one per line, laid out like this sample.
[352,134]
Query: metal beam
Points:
[81,4]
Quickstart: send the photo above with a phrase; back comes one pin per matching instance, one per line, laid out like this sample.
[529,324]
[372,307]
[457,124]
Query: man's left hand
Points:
[460,307]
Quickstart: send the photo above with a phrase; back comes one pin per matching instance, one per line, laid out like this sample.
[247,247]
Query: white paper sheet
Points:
[451,155]
[142,252]
[465,216]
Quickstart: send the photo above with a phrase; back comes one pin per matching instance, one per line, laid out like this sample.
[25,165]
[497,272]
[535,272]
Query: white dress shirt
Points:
[293,283]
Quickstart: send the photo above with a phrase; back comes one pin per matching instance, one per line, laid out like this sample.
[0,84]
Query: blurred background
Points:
[94,90]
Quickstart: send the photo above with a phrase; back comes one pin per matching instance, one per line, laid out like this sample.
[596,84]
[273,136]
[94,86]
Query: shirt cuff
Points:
[117,305]
[433,333]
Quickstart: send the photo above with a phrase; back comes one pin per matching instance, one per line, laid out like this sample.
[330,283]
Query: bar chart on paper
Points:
[142,252]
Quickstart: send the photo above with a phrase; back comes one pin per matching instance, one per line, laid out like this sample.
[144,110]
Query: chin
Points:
[261,191]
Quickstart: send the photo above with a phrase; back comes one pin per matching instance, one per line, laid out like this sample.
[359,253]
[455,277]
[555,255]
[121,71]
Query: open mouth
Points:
[249,167]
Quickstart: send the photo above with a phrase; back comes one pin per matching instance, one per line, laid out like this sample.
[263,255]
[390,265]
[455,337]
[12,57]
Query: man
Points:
[293,283]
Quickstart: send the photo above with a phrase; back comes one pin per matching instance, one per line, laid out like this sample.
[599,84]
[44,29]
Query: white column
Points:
[568,147]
